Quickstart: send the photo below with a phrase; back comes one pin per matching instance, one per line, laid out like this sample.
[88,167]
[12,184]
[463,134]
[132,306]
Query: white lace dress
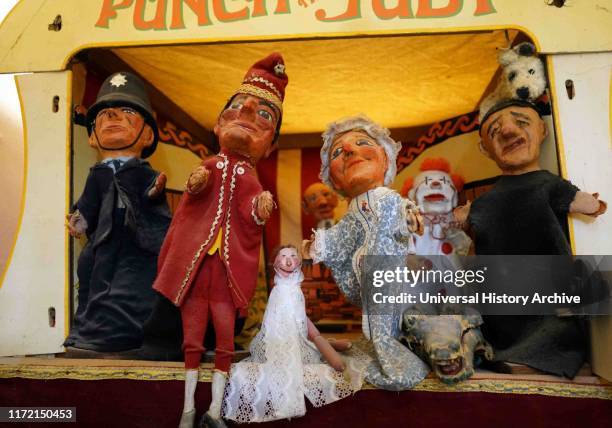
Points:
[284,366]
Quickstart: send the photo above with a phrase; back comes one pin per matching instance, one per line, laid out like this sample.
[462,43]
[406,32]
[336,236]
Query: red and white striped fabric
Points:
[286,174]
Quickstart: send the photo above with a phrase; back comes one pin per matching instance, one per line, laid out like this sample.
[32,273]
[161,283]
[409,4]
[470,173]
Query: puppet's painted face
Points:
[287,261]
[512,137]
[357,163]
[117,127]
[247,127]
[320,201]
[436,193]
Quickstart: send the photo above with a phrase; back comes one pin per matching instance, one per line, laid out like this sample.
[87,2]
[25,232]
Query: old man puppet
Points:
[124,213]
[208,263]
[320,202]
[358,161]
[525,213]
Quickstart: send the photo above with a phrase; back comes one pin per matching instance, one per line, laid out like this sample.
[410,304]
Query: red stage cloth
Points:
[128,403]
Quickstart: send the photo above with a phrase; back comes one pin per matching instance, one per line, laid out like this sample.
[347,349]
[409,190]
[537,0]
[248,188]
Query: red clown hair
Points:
[458,182]
[407,186]
[434,164]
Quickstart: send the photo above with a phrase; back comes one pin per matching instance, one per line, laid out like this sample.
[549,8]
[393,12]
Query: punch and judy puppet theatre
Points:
[487,128]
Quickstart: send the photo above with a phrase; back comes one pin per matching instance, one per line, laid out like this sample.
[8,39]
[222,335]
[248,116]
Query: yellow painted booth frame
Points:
[19,42]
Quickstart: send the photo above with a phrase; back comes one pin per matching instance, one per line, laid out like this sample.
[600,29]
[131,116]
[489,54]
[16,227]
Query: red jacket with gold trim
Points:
[225,202]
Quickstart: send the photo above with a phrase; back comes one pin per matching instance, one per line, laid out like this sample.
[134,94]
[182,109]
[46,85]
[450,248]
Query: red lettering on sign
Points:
[109,11]
[157,23]
[402,10]
[224,16]
[426,10]
[484,7]
[199,7]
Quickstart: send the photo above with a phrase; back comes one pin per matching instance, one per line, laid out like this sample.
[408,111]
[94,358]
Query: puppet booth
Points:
[420,68]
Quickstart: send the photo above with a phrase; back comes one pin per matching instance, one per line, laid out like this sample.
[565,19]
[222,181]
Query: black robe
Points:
[527,215]
[118,264]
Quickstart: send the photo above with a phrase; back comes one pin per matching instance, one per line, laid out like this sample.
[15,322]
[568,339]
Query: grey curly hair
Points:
[359,122]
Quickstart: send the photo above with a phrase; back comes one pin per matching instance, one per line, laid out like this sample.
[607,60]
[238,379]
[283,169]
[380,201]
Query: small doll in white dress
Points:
[288,357]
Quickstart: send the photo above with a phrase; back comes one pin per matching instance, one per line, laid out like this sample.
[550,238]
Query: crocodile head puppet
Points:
[446,342]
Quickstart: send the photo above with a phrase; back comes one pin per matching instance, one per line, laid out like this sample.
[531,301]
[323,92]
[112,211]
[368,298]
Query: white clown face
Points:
[435,192]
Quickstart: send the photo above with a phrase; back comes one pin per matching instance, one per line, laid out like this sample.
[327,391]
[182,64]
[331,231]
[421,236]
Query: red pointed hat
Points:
[266,79]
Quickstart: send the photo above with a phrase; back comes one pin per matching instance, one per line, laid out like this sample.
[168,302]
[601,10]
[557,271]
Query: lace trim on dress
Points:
[284,366]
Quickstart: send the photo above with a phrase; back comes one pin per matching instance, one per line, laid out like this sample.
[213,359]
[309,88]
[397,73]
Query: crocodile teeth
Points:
[450,367]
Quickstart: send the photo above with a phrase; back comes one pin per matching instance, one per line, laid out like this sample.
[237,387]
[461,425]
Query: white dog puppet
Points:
[523,77]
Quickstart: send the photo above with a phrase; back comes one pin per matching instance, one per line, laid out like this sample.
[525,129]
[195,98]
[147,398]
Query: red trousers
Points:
[209,296]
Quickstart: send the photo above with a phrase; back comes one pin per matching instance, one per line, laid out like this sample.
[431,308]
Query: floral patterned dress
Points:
[375,224]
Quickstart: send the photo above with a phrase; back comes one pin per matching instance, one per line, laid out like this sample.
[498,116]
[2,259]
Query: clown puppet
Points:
[435,190]
[209,261]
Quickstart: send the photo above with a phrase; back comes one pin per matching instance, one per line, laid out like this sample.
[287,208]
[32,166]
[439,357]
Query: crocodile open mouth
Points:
[450,367]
